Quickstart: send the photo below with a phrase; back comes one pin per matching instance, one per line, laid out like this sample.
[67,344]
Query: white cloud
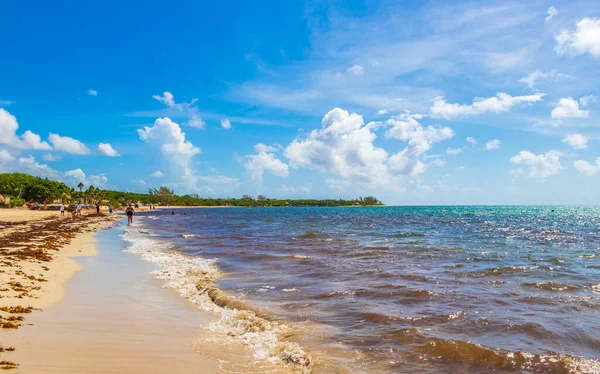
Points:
[438,162]
[69,145]
[538,75]
[98,180]
[225,123]
[33,141]
[92,92]
[31,166]
[157,174]
[382,111]
[107,149]
[8,131]
[587,169]
[493,144]
[471,140]
[257,164]
[587,100]
[585,38]
[76,175]
[189,109]
[540,166]
[50,157]
[576,141]
[141,182]
[551,13]
[261,147]
[568,108]
[356,70]
[167,136]
[502,102]
[343,145]
[5,156]
[453,151]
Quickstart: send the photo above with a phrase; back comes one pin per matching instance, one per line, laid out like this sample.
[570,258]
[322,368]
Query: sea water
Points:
[391,289]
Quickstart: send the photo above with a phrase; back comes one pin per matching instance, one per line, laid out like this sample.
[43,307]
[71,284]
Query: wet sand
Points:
[115,318]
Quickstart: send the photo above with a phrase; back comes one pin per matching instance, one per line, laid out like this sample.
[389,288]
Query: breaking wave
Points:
[195,279]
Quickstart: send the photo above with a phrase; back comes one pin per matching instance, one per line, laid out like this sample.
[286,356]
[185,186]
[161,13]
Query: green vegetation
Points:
[23,187]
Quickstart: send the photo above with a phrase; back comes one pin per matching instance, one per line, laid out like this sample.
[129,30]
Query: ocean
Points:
[388,289]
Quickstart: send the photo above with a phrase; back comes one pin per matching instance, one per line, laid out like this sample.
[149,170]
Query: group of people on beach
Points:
[76,212]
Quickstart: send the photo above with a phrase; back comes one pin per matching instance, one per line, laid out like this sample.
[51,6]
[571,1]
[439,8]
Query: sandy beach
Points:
[114,317]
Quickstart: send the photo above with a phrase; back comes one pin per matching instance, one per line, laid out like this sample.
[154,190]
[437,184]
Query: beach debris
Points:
[8,365]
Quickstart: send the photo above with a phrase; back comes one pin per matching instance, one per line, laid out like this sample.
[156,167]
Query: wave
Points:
[552,286]
[472,353]
[195,279]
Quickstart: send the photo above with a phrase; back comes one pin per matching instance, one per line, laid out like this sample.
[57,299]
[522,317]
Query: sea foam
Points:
[195,279]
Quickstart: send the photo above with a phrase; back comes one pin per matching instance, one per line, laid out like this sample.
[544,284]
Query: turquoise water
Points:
[412,289]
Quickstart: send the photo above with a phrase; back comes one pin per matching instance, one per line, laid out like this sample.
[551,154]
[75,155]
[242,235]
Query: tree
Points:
[80,186]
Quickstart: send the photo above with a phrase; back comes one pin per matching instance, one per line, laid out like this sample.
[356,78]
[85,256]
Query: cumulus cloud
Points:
[261,147]
[32,167]
[344,146]
[493,144]
[382,112]
[77,176]
[92,92]
[167,137]
[157,174]
[356,70]
[225,123]
[568,108]
[420,139]
[98,180]
[50,157]
[453,151]
[576,141]
[551,13]
[587,169]
[259,163]
[538,75]
[107,149]
[5,156]
[540,166]
[585,38]
[502,102]
[438,162]
[67,144]
[8,131]
[471,140]
[190,109]
[587,100]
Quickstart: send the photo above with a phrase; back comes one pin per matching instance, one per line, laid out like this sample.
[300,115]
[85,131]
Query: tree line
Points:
[22,188]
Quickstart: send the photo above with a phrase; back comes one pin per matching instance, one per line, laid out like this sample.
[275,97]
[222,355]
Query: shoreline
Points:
[101,308]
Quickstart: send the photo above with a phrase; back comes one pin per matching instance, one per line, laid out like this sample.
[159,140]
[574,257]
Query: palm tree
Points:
[80,186]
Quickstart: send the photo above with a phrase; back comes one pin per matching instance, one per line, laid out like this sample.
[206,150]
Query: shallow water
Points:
[407,289]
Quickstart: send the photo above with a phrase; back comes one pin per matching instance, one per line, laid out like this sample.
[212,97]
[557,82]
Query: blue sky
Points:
[417,103]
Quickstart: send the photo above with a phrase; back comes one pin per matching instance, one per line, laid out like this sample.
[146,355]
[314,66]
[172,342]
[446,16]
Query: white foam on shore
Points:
[195,279]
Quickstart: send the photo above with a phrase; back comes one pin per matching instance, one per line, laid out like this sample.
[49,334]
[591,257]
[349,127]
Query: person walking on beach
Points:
[110,209]
[62,209]
[129,212]
[97,208]
[79,207]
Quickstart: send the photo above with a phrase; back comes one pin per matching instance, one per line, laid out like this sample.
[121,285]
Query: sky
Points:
[420,102]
